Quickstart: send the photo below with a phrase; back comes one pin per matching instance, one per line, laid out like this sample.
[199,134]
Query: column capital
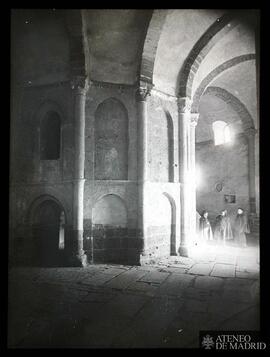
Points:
[184,105]
[194,117]
[80,84]
[143,91]
[250,132]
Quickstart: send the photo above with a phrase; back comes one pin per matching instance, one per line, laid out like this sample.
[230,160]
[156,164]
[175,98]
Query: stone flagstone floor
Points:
[163,304]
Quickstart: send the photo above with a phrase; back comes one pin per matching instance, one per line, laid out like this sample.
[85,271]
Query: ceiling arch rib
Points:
[216,72]
[235,103]
[151,44]
[199,51]
[77,52]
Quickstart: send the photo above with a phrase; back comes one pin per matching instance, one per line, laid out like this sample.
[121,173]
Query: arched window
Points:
[222,132]
[50,136]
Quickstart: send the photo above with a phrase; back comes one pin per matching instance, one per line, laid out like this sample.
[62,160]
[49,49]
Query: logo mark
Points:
[208,342]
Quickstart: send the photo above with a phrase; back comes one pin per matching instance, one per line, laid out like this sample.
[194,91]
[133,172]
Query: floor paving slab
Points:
[144,288]
[247,275]
[209,283]
[152,321]
[201,269]
[195,305]
[143,306]
[124,280]
[154,277]
[175,270]
[175,284]
[223,270]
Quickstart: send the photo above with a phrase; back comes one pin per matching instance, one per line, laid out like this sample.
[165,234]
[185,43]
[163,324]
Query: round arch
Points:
[40,115]
[150,45]
[48,106]
[37,202]
[119,212]
[216,72]
[235,104]
[173,224]
[48,239]
[111,133]
[199,51]
[111,99]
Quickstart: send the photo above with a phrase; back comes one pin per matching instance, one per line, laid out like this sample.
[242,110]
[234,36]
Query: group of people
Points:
[223,230]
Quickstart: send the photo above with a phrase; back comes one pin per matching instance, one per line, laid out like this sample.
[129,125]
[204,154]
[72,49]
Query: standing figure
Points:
[206,233]
[223,229]
[241,227]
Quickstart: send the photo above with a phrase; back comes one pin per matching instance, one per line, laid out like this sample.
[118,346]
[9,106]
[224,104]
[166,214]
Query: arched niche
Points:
[50,117]
[48,222]
[109,230]
[111,141]
[110,211]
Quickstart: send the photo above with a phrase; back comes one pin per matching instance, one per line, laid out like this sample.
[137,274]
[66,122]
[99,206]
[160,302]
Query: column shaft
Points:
[184,118]
[142,94]
[251,169]
[193,177]
[78,257]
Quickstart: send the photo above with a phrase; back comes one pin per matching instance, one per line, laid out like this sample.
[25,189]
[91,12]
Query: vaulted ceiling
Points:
[115,39]
[181,51]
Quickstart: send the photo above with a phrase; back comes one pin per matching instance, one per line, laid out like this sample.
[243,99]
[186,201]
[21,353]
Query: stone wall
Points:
[41,47]
[111,141]
[225,164]
[111,242]
[30,176]
[109,229]
[162,139]
[25,139]
[24,200]
[162,219]
[162,189]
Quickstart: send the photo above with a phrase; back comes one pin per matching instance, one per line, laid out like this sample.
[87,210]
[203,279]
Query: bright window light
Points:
[198,177]
[222,132]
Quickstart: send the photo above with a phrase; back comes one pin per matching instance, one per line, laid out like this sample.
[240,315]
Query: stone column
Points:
[193,123]
[250,134]
[184,105]
[141,98]
[80,87]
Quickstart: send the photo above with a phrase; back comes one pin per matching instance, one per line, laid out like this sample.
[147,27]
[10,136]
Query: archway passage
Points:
[48,234]
[161,230]
[172,231]
[109,229]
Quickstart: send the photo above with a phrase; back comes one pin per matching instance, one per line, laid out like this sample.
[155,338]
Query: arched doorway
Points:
[48,233]
[161,230]
[172,221]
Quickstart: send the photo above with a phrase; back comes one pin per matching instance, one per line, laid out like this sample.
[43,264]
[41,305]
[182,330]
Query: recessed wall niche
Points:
[111,141]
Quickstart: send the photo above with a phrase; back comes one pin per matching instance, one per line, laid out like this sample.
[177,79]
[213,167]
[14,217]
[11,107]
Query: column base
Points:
[78,257]
[183,251]
[79,261]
